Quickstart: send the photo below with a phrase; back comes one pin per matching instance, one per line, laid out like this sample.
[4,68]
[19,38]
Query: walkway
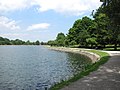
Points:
[107,77]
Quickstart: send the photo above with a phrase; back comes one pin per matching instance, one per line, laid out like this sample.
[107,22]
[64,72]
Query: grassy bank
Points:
[90,68]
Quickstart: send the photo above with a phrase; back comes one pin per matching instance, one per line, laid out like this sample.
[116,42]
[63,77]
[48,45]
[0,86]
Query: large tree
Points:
[102,31]
[112,9]
[78,33]
[60,39]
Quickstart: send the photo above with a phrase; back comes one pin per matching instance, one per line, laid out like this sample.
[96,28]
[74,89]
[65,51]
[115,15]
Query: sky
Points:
[41,19]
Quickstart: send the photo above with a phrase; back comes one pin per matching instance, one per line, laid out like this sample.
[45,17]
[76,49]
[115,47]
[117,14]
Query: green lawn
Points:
[111,49]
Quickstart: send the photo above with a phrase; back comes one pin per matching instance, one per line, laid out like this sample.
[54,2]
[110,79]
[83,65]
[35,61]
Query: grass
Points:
[104,57]
[100,53]
[111,49]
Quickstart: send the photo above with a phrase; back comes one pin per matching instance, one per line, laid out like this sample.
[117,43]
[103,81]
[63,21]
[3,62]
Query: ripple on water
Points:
[36,67]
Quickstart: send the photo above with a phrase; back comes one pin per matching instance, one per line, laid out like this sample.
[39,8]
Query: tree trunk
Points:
[115,46]
[91,45]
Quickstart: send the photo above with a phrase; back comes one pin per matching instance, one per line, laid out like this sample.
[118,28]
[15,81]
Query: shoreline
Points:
[94,57]
[98,58]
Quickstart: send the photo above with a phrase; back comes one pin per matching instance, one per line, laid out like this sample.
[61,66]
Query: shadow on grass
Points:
[87,71]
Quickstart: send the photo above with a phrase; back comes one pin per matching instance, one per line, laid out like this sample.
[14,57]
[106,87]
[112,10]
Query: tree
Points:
[73,43]
[102,31]
[60,36]
[37,43]
[78,33]
[52,42]
[6,41]
[83,36]
[111,9]
[17,42]
[92,41]
[72,35]
[43,43]
[28,43]
[60,39]
[66,41]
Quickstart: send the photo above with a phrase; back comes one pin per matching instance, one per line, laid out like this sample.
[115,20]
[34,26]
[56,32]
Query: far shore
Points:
[94,57]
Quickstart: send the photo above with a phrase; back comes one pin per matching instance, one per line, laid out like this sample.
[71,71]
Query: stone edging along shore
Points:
[94,57]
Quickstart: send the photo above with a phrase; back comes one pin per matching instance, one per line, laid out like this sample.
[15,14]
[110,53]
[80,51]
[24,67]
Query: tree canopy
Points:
[112,9]
[103,29]
[60,40]
[6,41]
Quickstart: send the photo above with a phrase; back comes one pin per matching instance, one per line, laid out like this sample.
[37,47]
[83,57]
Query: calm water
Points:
[33,67]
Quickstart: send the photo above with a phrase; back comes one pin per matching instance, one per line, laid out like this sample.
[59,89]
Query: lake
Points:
[35,67]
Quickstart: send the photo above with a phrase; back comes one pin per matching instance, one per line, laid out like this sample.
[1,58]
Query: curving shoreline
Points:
[94,57]
[98,58]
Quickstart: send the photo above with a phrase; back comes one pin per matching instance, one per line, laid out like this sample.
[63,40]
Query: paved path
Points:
[107,77]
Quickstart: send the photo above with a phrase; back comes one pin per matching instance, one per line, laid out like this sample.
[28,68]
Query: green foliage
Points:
[60,40]
[5,41]
[83,36]
[43,43]
[28,43]
[88,32]
[92,41]
[52,43]
[102,30]
[60,36]
[17,42]
[37,42]
[66,42]
[112,9]
[78,32]
[73,43]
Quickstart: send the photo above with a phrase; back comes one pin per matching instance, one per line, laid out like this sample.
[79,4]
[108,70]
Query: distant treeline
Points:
[103,29]
[6,41]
